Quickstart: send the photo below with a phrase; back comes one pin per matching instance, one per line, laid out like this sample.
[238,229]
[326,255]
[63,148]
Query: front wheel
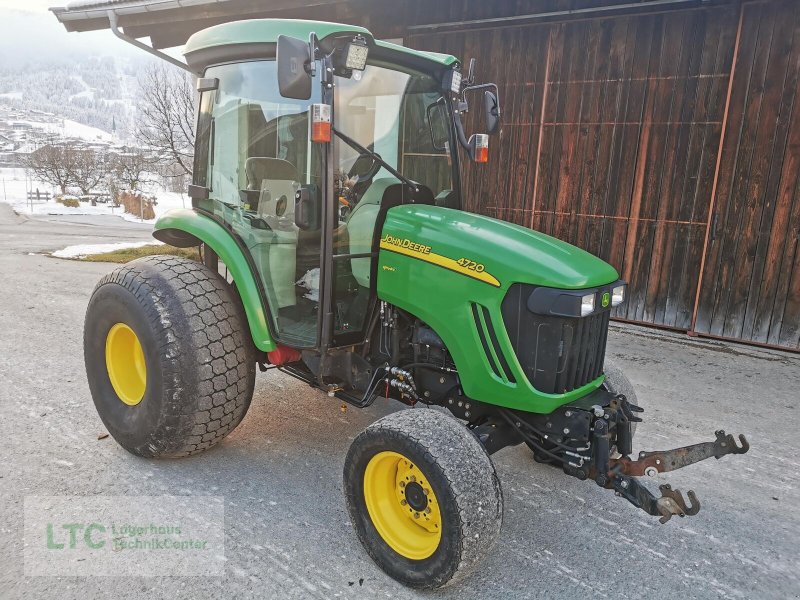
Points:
[423,496]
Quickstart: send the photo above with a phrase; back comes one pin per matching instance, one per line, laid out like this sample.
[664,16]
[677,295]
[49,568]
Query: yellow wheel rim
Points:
[125,363]
[401,503]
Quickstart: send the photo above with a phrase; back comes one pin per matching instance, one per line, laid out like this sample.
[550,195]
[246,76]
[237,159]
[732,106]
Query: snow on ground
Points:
[82,250]
[85,132]
[14,187]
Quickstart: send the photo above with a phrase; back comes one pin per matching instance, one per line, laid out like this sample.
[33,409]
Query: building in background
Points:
[660,135]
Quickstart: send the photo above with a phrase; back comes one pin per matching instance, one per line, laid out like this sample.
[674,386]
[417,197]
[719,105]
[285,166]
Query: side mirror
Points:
[492,112]
[307,208]
[292,56]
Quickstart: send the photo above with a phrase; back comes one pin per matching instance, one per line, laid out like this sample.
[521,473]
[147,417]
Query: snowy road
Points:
[286,528]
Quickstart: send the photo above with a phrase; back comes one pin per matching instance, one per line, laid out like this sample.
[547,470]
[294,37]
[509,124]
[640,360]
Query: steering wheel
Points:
[374,167]
[362,180]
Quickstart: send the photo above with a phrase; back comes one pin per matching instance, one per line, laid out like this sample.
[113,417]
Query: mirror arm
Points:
[313,44]
[480,86]
[462,138]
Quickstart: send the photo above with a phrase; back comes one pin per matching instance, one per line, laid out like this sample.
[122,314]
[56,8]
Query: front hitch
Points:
[623,470]
[586,451]
[618,473]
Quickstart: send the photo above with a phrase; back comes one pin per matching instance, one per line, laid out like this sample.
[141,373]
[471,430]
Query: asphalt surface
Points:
[287,533]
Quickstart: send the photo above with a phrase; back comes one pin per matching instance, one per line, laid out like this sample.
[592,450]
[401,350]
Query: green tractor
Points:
[327,190]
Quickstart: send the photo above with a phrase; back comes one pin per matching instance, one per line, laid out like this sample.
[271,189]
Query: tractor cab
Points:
[302,146]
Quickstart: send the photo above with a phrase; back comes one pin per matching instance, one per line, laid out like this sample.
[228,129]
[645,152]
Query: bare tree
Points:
[132,167]
[166,115]
[86,169]
[53,164]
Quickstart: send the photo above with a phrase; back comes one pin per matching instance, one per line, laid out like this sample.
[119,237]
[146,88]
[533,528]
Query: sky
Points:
[29,30]
[31,5]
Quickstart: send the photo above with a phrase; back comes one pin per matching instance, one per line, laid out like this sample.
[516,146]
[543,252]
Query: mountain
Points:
[88,78]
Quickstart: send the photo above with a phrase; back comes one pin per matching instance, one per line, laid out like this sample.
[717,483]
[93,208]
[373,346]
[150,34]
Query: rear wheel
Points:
[423,496]
[169,359]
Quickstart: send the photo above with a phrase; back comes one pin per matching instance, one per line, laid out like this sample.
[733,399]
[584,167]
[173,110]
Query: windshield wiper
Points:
[376,157]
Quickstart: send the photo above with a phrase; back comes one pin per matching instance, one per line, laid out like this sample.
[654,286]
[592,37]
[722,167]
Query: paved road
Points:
[286,527]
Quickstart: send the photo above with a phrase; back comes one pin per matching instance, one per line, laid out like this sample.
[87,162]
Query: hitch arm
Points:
[622,473]
[670,503]
[661,461]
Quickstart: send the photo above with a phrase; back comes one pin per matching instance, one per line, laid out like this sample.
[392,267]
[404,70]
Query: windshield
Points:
[400,116]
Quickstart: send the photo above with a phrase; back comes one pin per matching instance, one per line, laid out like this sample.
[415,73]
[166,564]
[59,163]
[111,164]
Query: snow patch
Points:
[83,250]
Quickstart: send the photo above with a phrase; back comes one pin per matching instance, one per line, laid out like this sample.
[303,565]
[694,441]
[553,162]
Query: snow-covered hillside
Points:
[90,84]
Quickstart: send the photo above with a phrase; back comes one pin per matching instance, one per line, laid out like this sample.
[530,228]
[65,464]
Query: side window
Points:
[203,139]
[425,141]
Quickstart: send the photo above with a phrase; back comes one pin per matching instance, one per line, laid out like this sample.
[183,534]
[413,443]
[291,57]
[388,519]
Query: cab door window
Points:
[260,154]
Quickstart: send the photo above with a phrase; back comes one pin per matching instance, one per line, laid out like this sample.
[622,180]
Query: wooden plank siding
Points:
[751,279]
[611,140]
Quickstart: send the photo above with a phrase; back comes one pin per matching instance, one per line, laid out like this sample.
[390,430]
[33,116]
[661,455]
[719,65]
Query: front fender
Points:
[184,228]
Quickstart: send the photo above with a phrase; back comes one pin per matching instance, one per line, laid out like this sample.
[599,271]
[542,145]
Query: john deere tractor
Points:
[327,204]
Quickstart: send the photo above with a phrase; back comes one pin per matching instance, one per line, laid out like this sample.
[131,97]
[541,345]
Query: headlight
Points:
[587,304]
[618,295]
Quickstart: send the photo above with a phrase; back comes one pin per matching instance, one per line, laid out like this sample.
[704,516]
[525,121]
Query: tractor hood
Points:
[488,250]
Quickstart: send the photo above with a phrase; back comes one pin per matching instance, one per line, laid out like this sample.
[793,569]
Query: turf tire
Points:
[198,352]
[463,478]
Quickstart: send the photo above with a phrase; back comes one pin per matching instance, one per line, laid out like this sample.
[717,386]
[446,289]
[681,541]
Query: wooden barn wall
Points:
[751,276]
[611,140]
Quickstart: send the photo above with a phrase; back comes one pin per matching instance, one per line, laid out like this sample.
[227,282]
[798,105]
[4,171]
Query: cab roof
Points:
[252,38]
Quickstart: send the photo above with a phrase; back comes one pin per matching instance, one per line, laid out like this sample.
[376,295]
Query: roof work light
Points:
[352,57]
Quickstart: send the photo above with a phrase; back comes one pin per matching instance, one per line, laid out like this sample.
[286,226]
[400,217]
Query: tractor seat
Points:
[260,168]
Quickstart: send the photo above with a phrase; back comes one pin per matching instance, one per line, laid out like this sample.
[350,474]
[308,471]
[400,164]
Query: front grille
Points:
[558,354]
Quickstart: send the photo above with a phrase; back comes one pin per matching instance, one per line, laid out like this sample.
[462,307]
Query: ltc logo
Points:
[606,299]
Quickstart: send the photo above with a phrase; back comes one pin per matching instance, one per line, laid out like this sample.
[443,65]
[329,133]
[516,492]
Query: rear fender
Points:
[185,228]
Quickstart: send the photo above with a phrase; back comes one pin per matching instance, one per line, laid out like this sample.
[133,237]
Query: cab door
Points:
[258,155]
